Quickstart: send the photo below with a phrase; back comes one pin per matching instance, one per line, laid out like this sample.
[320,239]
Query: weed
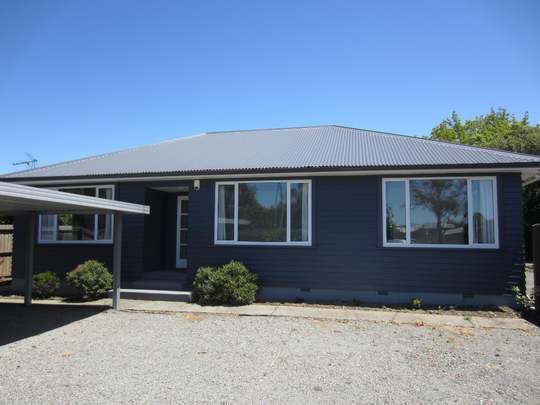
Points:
[416,303]
[357,302]
[299,300]
[468,317]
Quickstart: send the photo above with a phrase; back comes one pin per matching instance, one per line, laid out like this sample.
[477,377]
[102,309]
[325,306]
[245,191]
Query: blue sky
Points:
[81,78]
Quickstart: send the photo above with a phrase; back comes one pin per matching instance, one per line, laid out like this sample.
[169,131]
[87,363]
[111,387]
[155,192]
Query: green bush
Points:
[45,284]
[231,283]
[416,303]
[92,278]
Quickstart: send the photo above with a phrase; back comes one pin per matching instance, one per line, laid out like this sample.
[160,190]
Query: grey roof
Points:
[323,147]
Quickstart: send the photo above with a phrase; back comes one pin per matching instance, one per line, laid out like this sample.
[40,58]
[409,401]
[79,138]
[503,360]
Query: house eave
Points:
[527,172]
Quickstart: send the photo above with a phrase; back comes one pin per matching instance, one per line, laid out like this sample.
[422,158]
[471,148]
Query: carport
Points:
[16,199]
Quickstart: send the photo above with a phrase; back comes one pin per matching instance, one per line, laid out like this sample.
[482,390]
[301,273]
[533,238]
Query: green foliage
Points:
[299,300]
[357,302]
[45,284]
[416,303]
[92,278]
[231,284]
[468,317]
[6,220]
[523,301]
[500,130]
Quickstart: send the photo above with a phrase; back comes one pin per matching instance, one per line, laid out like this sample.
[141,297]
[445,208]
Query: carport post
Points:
[117,260]
[29,271]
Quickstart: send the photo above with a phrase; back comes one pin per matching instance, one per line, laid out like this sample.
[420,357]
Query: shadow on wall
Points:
[20,322]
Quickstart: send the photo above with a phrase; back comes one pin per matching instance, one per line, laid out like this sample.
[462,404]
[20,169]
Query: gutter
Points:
[531,180]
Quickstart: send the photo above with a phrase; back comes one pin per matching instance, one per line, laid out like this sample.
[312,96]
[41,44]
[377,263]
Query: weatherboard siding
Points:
[347,254]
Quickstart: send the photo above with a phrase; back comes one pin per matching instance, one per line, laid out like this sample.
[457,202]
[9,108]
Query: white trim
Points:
[180,263]
[471,244]
[235,241]
[391,172]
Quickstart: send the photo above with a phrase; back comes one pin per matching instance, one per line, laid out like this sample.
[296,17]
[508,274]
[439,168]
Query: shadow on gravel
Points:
[19,322]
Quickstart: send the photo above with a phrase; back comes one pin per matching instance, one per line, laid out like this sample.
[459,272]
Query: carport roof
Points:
[16,199]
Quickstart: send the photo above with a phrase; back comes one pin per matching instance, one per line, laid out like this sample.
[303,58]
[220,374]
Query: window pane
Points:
[483,211]
[439,212]
[184,206]
[396,217]
[183,221]
[299,212]
[104,226]
[225,229]
[183,251]
[89,192]
[105,193]
[262,212]
[76,227]
[47,227]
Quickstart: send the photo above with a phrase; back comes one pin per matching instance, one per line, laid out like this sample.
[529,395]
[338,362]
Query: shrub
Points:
[92,278]
[416,303]
[231,283]
[45,284]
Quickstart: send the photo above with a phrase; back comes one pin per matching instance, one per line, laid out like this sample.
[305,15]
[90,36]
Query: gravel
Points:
[66,355]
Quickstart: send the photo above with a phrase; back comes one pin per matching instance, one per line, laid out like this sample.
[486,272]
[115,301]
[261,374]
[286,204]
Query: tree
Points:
[500,130]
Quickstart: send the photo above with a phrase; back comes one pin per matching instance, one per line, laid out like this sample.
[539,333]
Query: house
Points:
[323,212]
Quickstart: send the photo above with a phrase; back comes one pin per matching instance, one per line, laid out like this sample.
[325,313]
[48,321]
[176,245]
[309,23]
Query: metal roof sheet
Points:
[287,148]
[16,199]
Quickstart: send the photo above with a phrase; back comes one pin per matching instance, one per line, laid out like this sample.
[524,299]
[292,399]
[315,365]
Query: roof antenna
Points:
[31,162]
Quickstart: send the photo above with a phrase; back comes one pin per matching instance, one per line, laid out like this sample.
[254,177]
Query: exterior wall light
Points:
[197,184]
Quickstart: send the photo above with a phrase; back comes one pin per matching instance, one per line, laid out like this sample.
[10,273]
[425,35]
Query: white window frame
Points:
[95,241]
[471,244]
[288,242]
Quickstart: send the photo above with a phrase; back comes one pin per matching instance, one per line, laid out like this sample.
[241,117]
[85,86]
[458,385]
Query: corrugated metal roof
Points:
[287,148]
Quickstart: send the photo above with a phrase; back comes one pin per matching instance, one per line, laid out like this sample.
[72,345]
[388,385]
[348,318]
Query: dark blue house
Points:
[318,212]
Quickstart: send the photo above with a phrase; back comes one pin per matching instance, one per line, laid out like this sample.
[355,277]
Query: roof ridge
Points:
[271,129]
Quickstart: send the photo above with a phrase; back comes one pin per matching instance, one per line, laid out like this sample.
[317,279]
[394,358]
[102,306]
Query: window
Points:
[440,212]
[79,228]
[263,212]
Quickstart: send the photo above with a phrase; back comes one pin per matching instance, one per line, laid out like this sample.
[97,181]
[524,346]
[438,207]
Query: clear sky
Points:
[81,78]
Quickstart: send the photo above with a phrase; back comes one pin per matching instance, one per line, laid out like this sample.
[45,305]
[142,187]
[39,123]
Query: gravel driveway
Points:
[65,355]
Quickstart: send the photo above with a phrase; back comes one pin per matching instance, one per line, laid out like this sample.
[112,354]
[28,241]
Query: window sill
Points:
[223,245]
[442,249]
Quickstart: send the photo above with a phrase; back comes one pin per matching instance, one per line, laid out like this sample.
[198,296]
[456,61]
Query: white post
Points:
[29,271]
[117,261]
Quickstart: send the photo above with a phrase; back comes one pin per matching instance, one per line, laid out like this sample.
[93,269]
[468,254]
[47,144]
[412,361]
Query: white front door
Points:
[181,232]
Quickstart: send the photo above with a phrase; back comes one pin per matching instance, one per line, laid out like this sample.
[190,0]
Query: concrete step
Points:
[154,295]
[165,275]
[168,285]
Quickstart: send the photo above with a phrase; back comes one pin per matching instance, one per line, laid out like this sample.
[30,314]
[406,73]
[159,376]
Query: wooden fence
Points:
[6,249]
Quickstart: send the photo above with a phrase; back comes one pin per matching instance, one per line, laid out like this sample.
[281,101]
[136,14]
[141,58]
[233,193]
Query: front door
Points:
[181,232]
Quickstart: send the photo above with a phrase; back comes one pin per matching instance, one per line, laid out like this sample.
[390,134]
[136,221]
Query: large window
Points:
[77,228]
[263,212]
[440,212]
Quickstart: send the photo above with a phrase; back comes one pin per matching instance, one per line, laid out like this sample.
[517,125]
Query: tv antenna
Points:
[31,162]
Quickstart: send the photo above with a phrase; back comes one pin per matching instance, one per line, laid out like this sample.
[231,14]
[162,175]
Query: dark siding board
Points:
[347,255]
